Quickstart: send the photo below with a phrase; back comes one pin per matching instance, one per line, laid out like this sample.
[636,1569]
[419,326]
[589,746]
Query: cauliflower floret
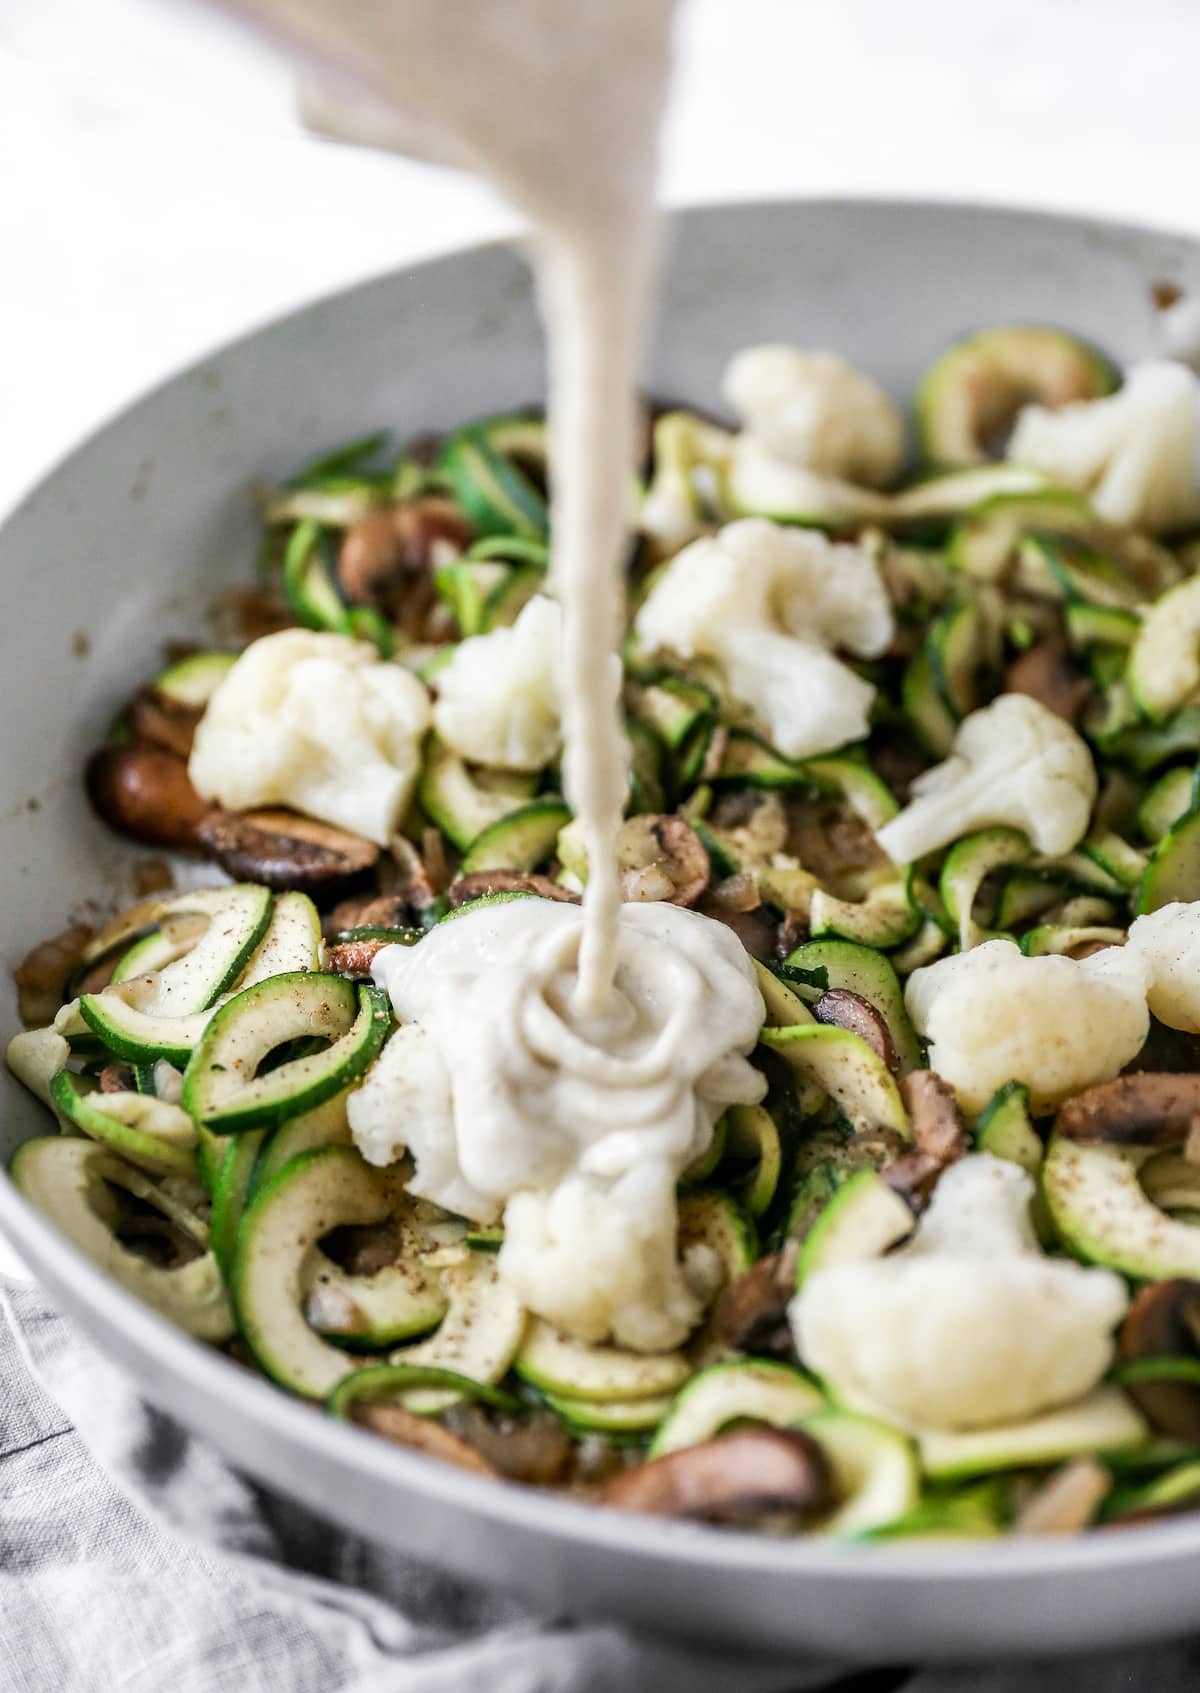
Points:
[767,603]
[1168,943]
[318,723]
[498,698]
[1013,762]
[1134,452]
[968,1325]
[600,1259]
[814,409]
[1057,1024]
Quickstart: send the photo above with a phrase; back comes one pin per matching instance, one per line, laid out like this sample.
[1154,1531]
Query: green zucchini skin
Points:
[376,1384]
[997,369]
[356,1021]
[317,1192]
[139,1145]
[523,840]
[494,492]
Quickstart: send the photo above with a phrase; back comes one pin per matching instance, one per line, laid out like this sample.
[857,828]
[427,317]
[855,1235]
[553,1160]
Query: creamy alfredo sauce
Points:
[557,1065]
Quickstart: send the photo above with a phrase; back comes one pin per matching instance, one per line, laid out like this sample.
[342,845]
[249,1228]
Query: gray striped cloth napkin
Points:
[134,1560]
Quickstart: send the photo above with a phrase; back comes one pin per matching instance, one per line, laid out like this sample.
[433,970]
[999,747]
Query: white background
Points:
[156,195]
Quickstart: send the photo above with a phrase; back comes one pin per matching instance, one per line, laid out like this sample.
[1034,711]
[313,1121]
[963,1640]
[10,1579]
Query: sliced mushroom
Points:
[756,929]
[115,1078]
[914,1175]
[145,792]
[939,1138]
[355,958]
[734,895]
[535,1449]
[793,929]
[752,1311]
[1163,1322]
[729,1479]
[433,857]
[830,840]
[42,975]
[846,1010]
[387,558]
[405,874]
[1146,1109]
[1066,1501]
[937,1124]
[1047,675]
[283,850]
[371,911]
[420,1434]
[662,858]
[480,883]
[156,718]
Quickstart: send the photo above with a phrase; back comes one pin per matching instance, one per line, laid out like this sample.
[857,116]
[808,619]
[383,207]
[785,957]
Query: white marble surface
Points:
[156,195]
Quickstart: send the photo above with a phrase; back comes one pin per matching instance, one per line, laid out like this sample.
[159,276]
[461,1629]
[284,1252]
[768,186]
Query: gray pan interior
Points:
[126,541]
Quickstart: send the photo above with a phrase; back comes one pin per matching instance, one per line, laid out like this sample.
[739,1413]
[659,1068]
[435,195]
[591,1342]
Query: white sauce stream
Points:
[567,1064]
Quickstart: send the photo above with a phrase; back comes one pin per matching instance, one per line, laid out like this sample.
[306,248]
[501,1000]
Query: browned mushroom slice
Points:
[1146,1109]
[757,929]
[535,1449]
[41,976]
[734,894]
[164,722]
[480,883]
[662,858]
[434,858]
[355,957]
[405,875]
[115,1078]
[939,1137]
[1164,1322]
[937,1125]
[729,1479]
[1047,675]
[368,911]
[420,1434]
[851,1011]
[145,792]
[736,902]
[283,850]
[394,548]
[752,1312]
[830,840]
[914,1175]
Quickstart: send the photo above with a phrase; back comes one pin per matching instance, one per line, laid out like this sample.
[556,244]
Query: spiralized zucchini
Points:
[205,1046]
